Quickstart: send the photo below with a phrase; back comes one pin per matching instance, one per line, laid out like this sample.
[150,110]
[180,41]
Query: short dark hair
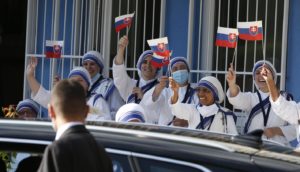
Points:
[69,98]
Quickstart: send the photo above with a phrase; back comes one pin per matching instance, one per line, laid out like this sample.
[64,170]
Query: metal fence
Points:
[85,25]
[89,25]
[207,59]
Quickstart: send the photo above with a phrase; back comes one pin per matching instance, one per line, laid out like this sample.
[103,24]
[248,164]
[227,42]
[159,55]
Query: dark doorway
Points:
[12,47]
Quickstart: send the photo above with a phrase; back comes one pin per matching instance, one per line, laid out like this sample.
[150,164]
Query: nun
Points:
[131,112]
[92,61]
[99,110]
[208,115]
[260,114]
[27,109]
[157,98]
[132,90]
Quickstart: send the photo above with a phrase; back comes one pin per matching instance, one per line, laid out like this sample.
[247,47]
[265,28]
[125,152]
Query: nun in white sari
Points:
[208,114]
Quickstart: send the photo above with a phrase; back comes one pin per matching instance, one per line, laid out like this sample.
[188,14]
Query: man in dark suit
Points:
[74,148]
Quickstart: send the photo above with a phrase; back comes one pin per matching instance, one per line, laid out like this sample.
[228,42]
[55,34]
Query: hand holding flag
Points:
[161,52]
[226,37]
[53,49]
[123,21]
[250,30]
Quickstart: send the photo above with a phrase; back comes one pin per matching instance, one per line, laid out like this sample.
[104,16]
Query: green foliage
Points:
[8,158]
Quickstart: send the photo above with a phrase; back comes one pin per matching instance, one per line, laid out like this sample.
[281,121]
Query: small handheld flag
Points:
[123,21]
[250,30]
[159,61]
[226,37]
[161,52]
[53,49]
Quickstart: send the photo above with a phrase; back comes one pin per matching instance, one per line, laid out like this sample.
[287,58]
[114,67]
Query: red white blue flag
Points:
[53,49]
[123,21]
[161,52]
[250,30]
[227,37]
[159,61]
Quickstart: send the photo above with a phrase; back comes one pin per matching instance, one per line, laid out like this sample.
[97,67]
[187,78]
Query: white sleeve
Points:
[289,132]
[100,110]
[185,111]
[42,97]
[231,127]
[241,101]
[115,101]
[287,110]
[122,81]
[148,101]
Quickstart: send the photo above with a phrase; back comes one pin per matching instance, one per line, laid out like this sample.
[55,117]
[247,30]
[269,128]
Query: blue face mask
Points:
[181,76]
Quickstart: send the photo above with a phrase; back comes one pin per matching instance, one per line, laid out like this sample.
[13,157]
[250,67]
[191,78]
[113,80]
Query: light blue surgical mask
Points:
[181,76]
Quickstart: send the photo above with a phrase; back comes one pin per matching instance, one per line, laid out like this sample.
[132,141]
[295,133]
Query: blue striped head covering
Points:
[140,62]
[214,85]
[131,111]
[28,103]
[174,60]
[81,71]
[96,57]
[268,64]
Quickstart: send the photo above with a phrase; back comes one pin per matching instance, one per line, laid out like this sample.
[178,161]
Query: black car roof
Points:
[230,143]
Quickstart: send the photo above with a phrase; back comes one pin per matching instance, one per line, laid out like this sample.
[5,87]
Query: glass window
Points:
[120,163]
[149,165]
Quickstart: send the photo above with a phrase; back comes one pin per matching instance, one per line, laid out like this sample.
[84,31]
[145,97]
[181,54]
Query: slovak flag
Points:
[123,21]
[250,30]
[160,46]
[161,52]
[53,49]
[159,61]
[227,37]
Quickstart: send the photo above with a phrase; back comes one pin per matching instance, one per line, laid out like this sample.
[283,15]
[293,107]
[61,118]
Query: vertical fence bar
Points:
[162,18]
[219,19]
[246,48]
[284,43]
[265,30]
[153,19]
[144,28]
[275,32]
[190,32]
[199,40]
[107,36]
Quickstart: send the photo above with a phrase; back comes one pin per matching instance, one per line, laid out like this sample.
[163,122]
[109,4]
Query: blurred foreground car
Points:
[149,148]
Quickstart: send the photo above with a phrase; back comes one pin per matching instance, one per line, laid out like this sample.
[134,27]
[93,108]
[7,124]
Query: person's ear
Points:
[51,111]
[87,110]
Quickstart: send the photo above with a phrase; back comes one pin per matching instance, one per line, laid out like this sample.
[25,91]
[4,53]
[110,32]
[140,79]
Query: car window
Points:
[20,161]
[120,162]
[150,165]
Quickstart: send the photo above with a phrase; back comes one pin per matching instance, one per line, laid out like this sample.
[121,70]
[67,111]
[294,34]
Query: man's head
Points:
[92,61]
[27,108]
[145,68]
[68,103]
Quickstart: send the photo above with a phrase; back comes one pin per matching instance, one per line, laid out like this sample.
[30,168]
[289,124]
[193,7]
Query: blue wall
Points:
[293,54]
[177,13]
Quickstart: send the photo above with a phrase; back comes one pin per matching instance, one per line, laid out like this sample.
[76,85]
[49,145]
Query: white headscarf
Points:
[214,85]
[259,64]
[94,56]
[129,112]
[28,103]
[140,61]
[81,71]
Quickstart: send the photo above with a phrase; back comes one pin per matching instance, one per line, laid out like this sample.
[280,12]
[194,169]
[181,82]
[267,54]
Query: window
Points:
[120,162]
